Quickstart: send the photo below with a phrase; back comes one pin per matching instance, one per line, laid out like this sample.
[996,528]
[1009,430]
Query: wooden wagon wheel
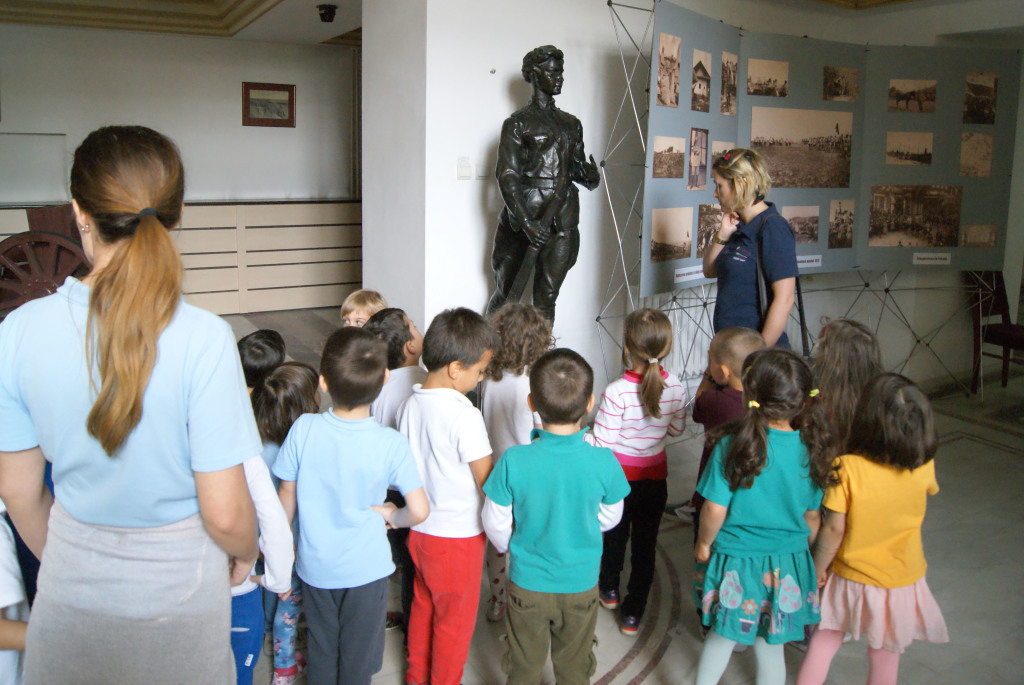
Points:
[34,264]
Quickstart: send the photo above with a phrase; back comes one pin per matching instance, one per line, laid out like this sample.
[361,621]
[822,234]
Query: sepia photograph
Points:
[980,98]
[911,95]
[668,70]
[840,224]
[720,147]
[908,147]
[978,235]
[700,95]
[671,231]
[840,84]
[709,220]
[698,173]
[268,104]
[975,154]
[730,66]
[914,216]
[804,222]
[767,77]
[669,157]
[804,148]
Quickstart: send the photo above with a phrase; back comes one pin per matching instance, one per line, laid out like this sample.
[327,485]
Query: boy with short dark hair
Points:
[260,353]
[335,468]
[561,493]
[449,442]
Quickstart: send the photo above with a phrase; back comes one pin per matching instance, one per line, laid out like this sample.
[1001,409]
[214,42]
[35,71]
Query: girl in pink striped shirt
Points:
[638,412]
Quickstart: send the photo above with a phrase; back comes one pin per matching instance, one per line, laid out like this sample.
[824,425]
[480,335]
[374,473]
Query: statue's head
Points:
[538,56]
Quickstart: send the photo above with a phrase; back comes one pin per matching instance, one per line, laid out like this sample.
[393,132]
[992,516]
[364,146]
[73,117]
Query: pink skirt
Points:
[890,619]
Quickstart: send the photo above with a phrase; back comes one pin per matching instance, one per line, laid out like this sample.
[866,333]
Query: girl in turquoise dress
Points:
[755,575]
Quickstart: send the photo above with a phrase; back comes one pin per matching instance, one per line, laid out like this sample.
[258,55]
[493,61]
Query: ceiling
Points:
[277,21]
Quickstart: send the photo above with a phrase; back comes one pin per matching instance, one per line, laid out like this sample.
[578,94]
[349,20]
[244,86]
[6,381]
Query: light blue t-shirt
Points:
[768,517]
[196,413]
[555,486]
[341,468]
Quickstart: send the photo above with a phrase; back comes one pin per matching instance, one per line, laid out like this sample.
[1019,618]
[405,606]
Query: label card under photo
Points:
[808,261]
[690,273]
[933,258]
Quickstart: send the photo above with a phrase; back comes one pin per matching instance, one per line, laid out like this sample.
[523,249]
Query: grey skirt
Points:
[130,605]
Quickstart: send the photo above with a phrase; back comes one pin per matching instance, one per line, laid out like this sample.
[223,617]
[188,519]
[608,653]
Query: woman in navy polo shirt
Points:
[751,229]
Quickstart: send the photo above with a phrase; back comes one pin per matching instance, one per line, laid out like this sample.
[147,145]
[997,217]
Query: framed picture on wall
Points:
[268,104]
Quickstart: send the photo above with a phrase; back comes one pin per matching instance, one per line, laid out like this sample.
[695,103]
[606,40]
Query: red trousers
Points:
[444,605]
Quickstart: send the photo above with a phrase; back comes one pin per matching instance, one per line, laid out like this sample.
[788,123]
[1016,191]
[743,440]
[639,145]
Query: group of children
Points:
[404,452]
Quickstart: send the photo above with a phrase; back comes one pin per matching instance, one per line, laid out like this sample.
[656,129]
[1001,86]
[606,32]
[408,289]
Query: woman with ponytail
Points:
[139,402]
[755,579]
[637,413]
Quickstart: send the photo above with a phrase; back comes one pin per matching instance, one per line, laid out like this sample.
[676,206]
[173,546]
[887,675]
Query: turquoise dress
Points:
[760,581]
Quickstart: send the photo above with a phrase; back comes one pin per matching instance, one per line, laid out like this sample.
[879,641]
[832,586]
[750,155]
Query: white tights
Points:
[771,661]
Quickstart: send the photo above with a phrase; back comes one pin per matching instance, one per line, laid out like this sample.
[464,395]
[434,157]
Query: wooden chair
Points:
[988,302]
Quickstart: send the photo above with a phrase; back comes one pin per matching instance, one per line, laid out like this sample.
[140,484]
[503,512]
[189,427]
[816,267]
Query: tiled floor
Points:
[972,534]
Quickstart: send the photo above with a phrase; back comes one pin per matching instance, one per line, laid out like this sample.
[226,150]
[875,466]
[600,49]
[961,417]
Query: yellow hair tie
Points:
[813,393]
[753,404]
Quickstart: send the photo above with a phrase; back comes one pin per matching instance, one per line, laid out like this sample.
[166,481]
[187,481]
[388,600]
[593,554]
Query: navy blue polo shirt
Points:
[736,267]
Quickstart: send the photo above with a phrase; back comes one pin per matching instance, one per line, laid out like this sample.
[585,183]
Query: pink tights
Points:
[883,666]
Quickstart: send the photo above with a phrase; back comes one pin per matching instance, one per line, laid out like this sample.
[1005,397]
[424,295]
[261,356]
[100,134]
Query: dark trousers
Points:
[641,518]
[554,261]
[346,633]
[399,540]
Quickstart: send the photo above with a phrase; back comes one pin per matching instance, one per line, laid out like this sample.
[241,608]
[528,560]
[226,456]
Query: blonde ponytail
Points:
[130,181]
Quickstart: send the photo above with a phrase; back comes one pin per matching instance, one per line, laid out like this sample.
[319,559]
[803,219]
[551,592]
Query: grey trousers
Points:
[566,622]
[346,633]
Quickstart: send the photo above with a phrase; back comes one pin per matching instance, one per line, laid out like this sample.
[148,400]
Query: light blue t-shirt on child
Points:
[196,413]
[341,468]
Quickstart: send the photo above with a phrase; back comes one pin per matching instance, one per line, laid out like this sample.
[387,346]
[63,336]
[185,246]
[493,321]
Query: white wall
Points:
[71,81]
[394,135]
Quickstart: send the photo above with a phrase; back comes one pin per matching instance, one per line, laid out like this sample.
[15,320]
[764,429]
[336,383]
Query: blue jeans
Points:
[282,620]
[246,633]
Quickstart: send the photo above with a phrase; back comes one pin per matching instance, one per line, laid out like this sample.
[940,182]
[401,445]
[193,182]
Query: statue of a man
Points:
[540,157]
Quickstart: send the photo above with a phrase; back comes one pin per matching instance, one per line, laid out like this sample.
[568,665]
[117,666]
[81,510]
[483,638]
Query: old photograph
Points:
[840,224]
[804,222]
[980,98]
[914,216]
[908,147]
[840,84]
[709,220]
[767,77]
[975,154]
[700,88]
[697,178]
[720,147]
[911,95]
[671,231]
[669,157]
[730,66]
[978,235]
[668,70]
[804,148]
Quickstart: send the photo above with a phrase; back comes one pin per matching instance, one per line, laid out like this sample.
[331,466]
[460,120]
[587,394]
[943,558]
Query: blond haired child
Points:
[360,305]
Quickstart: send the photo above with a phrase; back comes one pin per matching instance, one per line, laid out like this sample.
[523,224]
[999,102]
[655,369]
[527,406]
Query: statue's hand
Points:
[536,232]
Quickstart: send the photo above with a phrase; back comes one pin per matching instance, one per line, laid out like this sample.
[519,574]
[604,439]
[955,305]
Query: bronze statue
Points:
[540,157]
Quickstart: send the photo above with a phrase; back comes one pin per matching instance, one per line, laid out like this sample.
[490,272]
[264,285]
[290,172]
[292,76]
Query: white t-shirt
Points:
[446,432]
[506,413]
[14,603]
[275,533]
[396,391]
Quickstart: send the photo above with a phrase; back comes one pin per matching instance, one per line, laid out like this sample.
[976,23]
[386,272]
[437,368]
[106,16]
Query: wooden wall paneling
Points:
[12,221]
[303,237]
[243,277]
[327,254]
[296,275]
[276,299]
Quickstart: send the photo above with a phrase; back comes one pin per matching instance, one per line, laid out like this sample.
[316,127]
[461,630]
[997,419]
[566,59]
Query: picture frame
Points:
[268,104]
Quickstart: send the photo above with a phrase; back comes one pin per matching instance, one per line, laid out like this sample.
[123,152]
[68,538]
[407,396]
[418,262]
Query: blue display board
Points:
[881,157]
